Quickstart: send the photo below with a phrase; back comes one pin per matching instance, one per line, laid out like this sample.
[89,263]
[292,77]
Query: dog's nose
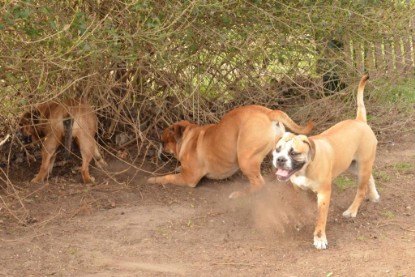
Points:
[23,138]
[281,160]
[162,156]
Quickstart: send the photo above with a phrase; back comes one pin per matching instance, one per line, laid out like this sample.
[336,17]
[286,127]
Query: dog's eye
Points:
[293,153]
[278,149]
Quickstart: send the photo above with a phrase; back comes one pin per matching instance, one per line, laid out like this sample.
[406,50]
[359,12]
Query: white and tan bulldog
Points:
[241,140]
[313,162]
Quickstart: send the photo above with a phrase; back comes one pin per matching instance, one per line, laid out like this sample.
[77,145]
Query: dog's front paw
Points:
[237,194]
[36,180]
[102,164]
[89,180]
[320,242]
[152,180]
[348,213]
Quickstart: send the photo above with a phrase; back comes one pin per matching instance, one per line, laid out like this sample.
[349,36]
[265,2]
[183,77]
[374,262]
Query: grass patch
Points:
[403,167]
[400,93]
[344,182]
[382,176]
[388,215]
[361,238]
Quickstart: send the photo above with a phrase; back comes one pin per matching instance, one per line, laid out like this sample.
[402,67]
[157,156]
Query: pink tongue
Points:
[283,172]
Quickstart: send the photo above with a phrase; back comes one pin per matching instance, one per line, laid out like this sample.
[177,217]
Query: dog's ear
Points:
[25,119]
[301,140]
[179,128]
[312,147]
[287,136]
[31,117]
[36,116]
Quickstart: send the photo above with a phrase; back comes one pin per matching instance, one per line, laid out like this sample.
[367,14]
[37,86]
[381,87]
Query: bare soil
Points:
[129,228]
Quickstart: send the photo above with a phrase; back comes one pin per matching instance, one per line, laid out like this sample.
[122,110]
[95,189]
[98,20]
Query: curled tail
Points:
[283,118]
[67,126]
[361,109]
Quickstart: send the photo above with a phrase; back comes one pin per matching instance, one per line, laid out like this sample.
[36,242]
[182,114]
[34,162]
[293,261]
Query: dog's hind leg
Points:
[87,147]
[365,181]
[52,163]
[373,193]
[99,161]
[49,147]
[251,168]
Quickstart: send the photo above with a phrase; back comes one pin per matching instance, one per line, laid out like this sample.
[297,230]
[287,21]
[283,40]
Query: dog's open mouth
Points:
[284,174]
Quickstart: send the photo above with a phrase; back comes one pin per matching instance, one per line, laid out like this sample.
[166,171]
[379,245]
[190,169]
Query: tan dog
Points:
[313,162]
[241,139]
[53,123]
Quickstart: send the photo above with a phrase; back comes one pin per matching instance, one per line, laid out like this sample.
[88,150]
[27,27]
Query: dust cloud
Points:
[281,208]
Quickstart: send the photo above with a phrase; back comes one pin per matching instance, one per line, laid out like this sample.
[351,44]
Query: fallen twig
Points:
[233,264]
[4,140]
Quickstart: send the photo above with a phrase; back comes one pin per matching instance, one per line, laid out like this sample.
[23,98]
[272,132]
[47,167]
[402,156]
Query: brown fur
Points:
[46,123]
[241,140]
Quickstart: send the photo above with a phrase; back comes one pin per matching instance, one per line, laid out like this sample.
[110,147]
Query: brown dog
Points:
[52,123]
[241,139]
[313,162]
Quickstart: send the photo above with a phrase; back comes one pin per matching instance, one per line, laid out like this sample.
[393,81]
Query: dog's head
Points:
[292,153]
[171,138]
[28,131]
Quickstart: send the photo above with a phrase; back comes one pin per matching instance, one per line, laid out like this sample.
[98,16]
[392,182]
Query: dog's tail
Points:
[282,117]
[361,109]
[67,127]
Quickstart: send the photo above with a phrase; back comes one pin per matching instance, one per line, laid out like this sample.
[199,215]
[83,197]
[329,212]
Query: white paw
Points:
[236,194]
[320,243]
[348,213]
[374,197]
[152,180]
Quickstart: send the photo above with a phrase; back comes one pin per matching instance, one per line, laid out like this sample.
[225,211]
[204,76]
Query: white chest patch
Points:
[304,183]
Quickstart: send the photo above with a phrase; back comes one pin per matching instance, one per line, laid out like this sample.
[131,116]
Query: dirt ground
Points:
[130,228]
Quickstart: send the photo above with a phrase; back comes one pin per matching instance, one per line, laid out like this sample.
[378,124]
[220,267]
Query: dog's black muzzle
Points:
[25,139]
[163,156]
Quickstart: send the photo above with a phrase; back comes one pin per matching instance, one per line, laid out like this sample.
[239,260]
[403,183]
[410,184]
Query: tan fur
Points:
[44,123]
[361,109]
[350,144]
[240,140]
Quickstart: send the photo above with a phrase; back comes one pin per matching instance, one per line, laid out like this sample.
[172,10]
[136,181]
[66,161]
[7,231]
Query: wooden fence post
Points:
[379,59]
[399,63]
[388,57]
[412,37]
[369,57]
[359,50]
[408,54]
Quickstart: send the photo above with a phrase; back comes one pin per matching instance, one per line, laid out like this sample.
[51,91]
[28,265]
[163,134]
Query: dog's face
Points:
[171,138]
[27,131]
[292,154]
